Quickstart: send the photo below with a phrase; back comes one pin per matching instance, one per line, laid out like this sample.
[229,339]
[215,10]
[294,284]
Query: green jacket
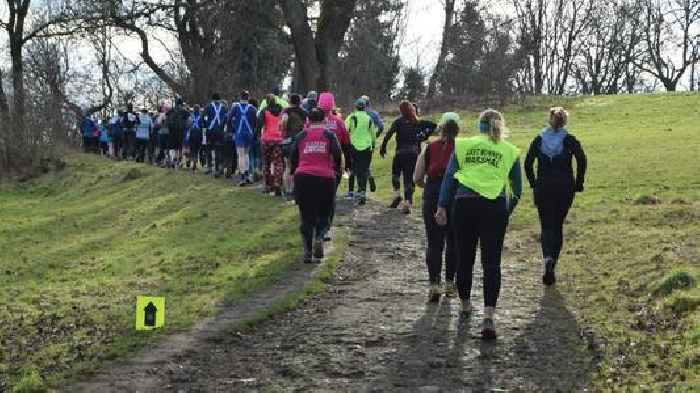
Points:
[362,131]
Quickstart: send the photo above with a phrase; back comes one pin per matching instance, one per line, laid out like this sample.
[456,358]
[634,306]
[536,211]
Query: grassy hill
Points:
[632,253]
[78,246]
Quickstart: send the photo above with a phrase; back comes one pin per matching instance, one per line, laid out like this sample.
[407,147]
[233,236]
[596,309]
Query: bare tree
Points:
[550,33]
[609,46]
[449,7]
[669,41]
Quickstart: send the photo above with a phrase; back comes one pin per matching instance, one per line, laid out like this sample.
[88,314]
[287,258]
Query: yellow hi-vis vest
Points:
[484,166]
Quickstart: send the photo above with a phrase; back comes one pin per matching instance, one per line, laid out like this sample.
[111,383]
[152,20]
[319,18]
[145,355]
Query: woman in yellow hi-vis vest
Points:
[482,186]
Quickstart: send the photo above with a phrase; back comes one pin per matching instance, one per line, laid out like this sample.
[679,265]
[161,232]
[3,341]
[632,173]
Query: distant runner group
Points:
[300,150]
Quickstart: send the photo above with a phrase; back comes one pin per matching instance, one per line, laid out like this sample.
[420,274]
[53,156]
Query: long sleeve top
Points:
[555,173]
[453,189]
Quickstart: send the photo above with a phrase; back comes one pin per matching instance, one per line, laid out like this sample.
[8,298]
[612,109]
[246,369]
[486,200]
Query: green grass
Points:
[625,263]
[80,245]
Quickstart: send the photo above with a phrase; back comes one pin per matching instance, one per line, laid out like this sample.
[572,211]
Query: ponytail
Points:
[493,123]
[558,117]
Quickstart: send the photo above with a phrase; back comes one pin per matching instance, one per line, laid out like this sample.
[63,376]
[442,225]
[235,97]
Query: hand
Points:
[441,216]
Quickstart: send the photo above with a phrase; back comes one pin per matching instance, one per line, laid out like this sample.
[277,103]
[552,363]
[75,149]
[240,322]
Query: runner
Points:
[408,140]
[105,139]
[480,173]
[129,122]
[293,119]
[326,102]
[273,161]
[88,131]
[163,136]
[429,173]
[315,161]
[243,121]
[554,185]
[153,139]
[195,138]
[276,97]
[363,137]
[143,135]
[379,127]
[177,120]
[216,119]
[310,102]
[117,135]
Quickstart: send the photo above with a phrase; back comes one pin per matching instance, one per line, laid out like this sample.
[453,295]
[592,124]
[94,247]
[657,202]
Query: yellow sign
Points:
[150,312]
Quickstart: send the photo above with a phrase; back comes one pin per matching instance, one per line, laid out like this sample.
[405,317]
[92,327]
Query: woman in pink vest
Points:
[273,159]
[315,159]
[429,173]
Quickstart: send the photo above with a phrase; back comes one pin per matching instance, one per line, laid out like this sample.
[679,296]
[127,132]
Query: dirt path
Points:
[374,332]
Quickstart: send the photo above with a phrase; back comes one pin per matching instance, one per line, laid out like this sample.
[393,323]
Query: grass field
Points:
[632,252]
[80,245]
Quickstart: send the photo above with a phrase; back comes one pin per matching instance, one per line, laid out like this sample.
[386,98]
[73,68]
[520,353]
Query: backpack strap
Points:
[243,108]
[217,115]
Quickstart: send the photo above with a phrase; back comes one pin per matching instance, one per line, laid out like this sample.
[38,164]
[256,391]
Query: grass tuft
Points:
[678,280]
[30,382]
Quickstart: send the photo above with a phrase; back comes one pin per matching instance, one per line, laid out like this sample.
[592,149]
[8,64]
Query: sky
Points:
[425,19]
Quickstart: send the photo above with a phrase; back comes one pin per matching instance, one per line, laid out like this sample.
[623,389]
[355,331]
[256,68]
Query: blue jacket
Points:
[243,119]
[87,127]
[377,120]
[214,123]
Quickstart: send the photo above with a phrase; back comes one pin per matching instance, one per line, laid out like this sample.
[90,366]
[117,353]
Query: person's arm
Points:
[581,163]
[419,171]
[516,186]
[380,125]
[336,152]
[294,153]
[344,139]
[449,184]
[447,192]
[372,133]
[426,129]
[532,154]
[387,138]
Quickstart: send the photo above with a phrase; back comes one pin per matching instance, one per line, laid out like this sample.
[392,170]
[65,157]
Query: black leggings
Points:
[482,221]
[553,207]
[404,164]
[315,197]
[361,162]
[440,238]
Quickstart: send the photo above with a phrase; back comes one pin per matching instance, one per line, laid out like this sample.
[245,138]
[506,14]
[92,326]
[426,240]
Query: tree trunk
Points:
[18,91]
[315,56]
[444,47]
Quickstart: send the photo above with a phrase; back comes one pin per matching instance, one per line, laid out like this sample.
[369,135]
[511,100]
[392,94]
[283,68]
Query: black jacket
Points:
[556,174]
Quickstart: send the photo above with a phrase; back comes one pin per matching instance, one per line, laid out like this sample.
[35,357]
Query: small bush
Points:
[677,280]
[31,382]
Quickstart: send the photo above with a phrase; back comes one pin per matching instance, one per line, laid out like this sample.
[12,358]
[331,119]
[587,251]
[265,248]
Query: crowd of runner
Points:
[300,149]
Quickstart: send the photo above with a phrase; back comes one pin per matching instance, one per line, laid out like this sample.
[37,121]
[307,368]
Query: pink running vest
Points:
[271,132]
[315,157]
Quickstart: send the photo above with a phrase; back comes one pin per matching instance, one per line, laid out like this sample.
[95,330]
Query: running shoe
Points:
[318,249]
[396,202]
[549,278]
[488,329]
[372,184]
[406,208]
[308,258]
[350,196]
[362,201]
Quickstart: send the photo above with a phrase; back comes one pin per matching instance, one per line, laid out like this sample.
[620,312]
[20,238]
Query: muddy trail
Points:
[373,331]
